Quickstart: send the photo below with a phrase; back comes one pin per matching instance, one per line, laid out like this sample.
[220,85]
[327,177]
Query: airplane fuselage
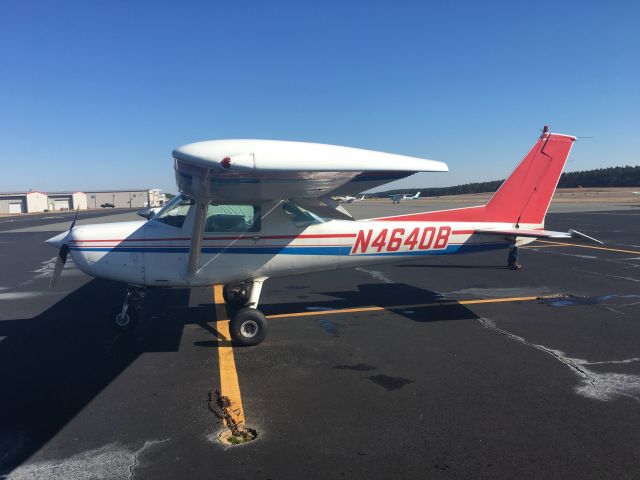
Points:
[155,254]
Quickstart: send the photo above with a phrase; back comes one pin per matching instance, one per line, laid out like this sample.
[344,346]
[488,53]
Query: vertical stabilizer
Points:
[525,196]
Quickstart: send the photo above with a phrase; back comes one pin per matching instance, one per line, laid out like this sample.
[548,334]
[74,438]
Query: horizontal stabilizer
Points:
[519,232]
[576,234]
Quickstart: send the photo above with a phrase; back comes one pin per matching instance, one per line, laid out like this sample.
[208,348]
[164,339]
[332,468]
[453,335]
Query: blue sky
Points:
[96,94]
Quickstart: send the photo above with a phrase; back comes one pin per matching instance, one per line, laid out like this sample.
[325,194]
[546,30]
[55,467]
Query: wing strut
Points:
[199,219]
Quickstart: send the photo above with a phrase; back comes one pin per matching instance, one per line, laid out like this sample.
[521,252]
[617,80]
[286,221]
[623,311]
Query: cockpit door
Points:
[233,243]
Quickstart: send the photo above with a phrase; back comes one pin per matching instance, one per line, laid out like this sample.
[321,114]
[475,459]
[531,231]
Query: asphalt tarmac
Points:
[448,367]
[60,221]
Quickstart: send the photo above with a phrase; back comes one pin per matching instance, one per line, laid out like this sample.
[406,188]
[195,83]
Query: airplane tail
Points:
[417,195]
[524,197]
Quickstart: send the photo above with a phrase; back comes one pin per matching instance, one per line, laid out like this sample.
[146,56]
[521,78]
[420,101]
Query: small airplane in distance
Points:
[249,210]
[401,197]
[348,199]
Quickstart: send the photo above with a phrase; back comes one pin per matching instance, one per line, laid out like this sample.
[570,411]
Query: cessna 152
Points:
[254,209]
[401,197]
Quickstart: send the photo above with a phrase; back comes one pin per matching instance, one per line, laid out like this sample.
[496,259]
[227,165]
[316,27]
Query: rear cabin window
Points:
[175,212]
[232,218]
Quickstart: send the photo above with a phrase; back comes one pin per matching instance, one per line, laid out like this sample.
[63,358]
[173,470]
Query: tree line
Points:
[600,177]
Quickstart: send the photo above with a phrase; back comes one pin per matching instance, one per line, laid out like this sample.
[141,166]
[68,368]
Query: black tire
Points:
[248,327]
[236,297]
[129,322]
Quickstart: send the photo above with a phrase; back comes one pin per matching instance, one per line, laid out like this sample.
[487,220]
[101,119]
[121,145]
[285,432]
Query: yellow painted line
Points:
[497,300]
[229,386]
[593,247]
[328,312]
[398,307]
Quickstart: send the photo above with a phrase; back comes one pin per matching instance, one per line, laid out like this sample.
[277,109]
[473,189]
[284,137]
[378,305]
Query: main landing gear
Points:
[126,317]
[512,259]
[248,325]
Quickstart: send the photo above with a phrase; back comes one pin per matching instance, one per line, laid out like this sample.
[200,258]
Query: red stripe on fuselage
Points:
[245,237]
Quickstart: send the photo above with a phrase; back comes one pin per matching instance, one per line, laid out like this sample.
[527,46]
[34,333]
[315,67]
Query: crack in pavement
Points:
[596,385]
[112,461]
[147,444]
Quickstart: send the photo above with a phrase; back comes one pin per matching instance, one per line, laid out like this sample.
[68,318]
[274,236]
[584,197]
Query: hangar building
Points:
[27,202]
[65,201]
[22,202]
[118,198]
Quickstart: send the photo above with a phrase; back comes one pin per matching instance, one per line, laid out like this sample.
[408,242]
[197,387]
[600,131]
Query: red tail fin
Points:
[524,197]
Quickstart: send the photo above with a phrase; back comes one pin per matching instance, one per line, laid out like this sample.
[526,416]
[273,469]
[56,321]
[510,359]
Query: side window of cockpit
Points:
[175,212]
[232,218]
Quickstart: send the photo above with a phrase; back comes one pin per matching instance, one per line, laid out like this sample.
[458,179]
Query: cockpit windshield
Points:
[175,212]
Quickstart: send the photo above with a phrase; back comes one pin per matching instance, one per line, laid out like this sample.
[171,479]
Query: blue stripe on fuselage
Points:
[286,250]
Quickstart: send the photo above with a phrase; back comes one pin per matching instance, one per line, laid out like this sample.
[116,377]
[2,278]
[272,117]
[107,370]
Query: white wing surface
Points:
[262,170]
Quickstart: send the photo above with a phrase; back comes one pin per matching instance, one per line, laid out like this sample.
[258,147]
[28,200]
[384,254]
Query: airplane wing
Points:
[263,170]
[517,232]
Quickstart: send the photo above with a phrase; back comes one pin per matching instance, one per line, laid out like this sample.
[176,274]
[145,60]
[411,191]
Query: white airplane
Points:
[348,199]
[400,197]
[254,209]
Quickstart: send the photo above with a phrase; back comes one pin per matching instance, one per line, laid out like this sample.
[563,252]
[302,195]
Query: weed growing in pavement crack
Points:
[237,434]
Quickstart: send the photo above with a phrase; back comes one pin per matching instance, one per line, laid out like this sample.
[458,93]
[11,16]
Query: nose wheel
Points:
[125,318]
[124,321]
[248,326]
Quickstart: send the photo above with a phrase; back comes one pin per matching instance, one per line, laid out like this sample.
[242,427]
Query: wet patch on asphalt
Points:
[329,327]
[568,300]
[389,383]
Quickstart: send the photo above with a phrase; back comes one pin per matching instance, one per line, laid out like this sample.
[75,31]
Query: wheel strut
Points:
[125,317]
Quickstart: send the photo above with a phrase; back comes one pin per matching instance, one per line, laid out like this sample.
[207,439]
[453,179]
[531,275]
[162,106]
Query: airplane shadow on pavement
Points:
[388,296]
[54,364]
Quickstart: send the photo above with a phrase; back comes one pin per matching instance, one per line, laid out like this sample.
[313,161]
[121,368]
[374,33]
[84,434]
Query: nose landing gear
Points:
[248,326]
[125,318]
